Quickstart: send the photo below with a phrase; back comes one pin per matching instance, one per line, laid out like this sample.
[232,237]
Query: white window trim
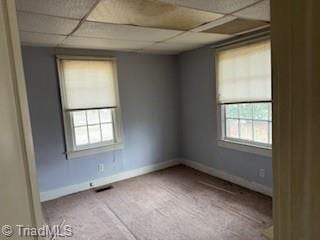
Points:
[242,146]
[239,145]
[68,132]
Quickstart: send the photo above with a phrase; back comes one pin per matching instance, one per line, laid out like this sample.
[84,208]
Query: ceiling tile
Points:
[215,23]
[169,48]
[198,38]
[260,11]
[219,6]
[150,13]
[62,8]
[44,24]
[124,32]
[101,43]
[40,39]
[237,26]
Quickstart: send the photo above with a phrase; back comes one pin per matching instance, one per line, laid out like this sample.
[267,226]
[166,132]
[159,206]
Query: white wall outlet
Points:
[261,173]
[101,167]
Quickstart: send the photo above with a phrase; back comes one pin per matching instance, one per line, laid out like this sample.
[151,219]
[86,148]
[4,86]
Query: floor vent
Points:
[104,188]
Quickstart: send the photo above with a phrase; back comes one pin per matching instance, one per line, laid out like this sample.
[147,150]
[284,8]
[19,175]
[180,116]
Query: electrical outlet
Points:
[261,173]
[101,167]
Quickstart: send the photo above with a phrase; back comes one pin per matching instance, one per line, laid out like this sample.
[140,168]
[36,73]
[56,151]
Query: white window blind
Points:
[89,84]
[244,73]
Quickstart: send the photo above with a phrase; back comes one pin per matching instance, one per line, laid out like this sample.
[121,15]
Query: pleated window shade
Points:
[244,73]
[89,84]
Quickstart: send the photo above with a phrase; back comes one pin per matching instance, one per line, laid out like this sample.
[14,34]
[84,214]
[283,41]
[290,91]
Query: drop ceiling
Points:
[150,26]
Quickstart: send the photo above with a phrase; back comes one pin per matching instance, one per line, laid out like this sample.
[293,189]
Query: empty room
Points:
[159,119]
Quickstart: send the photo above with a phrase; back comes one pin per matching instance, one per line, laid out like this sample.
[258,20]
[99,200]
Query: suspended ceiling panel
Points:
[29,38]
[100,43]
[124,32]
[215,23]
[260,11]
[169,48]
[150,13]
[237,26]
[47,22]
[44,24]
[63,8]
[218,6]
[198,38]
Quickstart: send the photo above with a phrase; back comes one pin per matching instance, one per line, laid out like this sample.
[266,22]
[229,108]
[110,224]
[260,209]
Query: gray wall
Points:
[199,121]
[148,87]
[168,109]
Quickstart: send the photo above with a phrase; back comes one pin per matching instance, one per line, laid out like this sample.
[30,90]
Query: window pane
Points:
[81,135]
[79,118]
[232,111]
[232,130]
[246,129]
[105,116]
[93,116]
[248,121]
[107,132]
[270,112]
[245,111]
[261,111]
[261,129]
[94,134]
[270,132]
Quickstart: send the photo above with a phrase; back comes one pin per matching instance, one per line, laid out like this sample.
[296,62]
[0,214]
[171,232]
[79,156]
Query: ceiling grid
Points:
[150,26]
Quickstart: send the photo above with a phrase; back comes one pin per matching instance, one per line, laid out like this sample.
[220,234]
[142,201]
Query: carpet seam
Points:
[121,221]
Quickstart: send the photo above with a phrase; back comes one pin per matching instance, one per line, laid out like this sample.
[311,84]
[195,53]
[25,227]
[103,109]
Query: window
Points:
[90,104]
[248,122]
[244,94]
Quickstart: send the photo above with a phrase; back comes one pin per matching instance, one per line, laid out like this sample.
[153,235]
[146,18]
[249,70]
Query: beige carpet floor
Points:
[172,204]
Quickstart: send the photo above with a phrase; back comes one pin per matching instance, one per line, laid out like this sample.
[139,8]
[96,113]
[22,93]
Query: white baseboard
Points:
[59,192]
[257,187]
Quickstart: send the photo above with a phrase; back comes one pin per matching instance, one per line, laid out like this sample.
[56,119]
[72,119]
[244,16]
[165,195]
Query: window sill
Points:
[91,151]
[263,151]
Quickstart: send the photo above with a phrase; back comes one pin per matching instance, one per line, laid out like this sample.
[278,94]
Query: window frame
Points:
[73,151]
[231,143]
